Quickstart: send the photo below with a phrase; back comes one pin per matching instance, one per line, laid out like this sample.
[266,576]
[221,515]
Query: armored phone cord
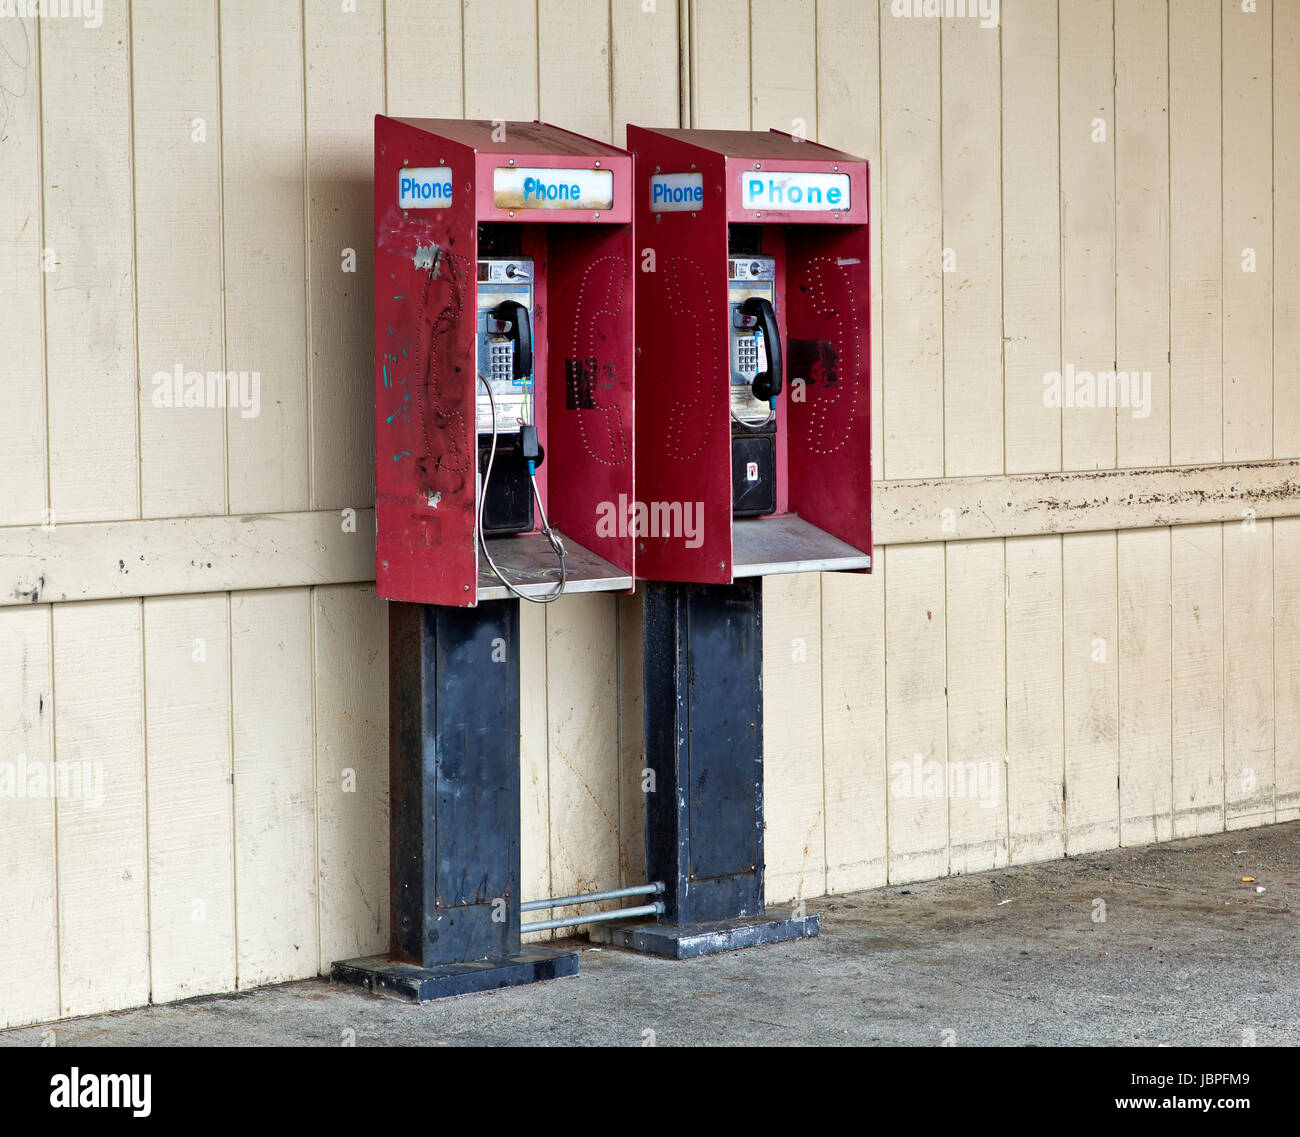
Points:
[551,535]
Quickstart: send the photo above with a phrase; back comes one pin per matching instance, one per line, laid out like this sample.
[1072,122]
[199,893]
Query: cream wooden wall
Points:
[186,600]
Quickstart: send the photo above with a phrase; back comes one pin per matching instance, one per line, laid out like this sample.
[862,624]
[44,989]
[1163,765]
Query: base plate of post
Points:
[690,940]
[381,975]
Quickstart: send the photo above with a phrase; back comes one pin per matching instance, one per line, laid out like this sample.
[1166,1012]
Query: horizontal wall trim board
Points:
[1023,505]
[116,559]
[97,561]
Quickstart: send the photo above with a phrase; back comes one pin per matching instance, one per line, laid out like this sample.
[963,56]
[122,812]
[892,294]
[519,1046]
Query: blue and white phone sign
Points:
[783,190]
[676,193]
[521,188]
[423,187]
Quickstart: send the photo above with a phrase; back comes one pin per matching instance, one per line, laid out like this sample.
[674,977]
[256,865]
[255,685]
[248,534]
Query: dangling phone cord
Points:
[551,535]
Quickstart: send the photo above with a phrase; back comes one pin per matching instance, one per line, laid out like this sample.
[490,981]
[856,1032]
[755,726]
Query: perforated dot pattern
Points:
[680,274]
[830,401]
[614,450]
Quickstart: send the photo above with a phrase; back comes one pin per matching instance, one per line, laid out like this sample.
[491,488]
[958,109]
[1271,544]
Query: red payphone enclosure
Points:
[807,205]
[441,185]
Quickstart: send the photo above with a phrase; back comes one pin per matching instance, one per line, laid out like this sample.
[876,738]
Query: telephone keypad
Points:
[503,359]
[747,355]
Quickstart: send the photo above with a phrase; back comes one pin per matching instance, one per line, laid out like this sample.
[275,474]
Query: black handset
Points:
[521,335]
[767,384]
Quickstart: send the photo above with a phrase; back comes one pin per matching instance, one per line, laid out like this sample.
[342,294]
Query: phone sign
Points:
[676,193]
[786,190]
[425,187]
[517,187]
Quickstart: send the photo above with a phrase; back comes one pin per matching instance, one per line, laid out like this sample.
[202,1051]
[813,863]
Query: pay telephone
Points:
[505,412]
[755,382]
[504,361]
[506,409]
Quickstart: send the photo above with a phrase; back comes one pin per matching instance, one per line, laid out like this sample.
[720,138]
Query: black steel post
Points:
[454,809]
[703,653]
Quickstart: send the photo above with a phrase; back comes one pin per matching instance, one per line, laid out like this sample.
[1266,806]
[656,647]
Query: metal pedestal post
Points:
[704,744]
[454,807]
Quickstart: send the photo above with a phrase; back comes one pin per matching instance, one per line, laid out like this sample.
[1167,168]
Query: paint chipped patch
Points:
[428,257]
[31,592]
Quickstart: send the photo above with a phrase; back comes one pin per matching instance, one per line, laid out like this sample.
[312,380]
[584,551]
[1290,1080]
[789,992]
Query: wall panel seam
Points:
[221,253]
[144,794]
[308,366]
[135,269]
[45,330]
[54,845]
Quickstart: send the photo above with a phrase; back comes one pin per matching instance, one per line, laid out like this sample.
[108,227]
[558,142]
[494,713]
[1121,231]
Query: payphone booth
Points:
[503,359]
[753,457]
[754,355]
[504,442]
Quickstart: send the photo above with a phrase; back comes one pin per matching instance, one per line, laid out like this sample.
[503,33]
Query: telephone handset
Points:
[767,383]
[756,381]
[512,318]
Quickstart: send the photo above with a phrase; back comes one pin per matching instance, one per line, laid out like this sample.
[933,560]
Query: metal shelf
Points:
[530,564]
[767,546]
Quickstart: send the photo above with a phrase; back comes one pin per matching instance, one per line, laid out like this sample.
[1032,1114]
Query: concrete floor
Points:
[1188,954]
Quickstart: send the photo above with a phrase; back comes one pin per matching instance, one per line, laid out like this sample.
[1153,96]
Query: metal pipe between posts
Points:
[655,909]
[654,888]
